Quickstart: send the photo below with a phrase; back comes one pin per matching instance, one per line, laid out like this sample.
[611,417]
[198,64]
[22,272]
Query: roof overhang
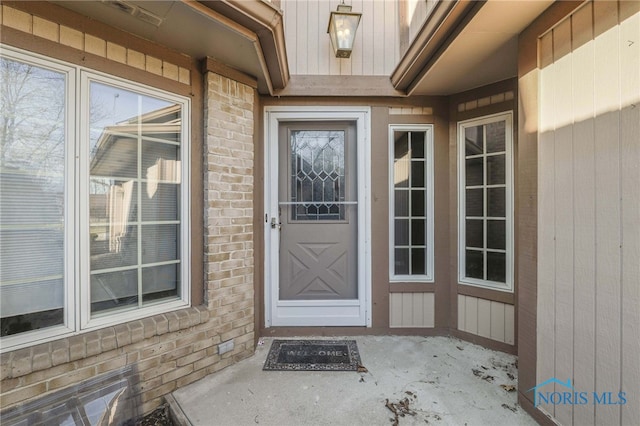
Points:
[247,36]
[465,44]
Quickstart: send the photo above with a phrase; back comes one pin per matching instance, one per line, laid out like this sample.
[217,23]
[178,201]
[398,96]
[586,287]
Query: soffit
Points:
[191,28]
[485,50]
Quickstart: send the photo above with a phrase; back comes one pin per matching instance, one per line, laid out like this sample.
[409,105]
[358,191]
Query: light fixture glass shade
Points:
[342,30]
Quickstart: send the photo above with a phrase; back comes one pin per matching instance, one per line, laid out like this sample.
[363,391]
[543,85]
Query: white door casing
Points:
[344,312]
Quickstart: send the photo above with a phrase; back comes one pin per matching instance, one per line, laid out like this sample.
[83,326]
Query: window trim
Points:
[33,337]
[86,77]
[76,216]
[429,276]
[508,286]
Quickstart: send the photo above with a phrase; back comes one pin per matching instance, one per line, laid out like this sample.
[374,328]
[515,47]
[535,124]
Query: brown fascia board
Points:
[444,23]
[266,21]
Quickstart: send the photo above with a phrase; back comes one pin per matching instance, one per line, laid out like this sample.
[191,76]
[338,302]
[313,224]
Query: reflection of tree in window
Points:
[32,120]
[32,161]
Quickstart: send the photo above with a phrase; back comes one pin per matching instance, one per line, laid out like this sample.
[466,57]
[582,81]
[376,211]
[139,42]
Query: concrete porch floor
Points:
[445,381]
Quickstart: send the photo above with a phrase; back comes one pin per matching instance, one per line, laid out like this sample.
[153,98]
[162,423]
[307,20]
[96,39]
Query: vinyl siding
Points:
[411,310]
[486,318]
[589,209]
[376,47]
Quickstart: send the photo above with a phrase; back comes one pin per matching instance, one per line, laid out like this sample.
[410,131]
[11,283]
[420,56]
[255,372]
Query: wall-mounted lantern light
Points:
[342,29]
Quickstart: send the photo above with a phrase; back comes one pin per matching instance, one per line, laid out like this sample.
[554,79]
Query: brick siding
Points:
[167,351]
[228,196]
[170,350]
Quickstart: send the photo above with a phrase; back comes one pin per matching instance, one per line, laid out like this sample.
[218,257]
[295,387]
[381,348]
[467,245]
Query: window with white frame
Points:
[411,202]
[485,212]
[93,199]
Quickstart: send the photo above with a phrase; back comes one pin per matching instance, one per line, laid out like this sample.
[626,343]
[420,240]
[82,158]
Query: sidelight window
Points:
[411,202]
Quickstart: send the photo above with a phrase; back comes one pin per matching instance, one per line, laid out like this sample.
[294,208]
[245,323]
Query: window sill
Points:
[412,287]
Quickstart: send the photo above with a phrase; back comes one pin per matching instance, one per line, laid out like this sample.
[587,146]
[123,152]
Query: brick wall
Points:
[228,184]
[167,351]
[171,350]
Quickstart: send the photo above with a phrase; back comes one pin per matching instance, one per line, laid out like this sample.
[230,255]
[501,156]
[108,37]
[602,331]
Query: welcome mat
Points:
[313,355]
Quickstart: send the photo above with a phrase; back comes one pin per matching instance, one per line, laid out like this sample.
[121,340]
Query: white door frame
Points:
[355,312]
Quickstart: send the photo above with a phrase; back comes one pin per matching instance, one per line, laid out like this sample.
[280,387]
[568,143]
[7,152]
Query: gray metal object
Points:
[225,347]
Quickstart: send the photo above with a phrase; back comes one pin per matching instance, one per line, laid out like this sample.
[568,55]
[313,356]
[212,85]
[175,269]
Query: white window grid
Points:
[77,300]
[428,276]
[507,286]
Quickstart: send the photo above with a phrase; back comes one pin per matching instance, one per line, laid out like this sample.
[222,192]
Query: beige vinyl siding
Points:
[411,310]
[546,226]
[589,209]
[486,318]
[309,51]
[630,209]
[582,106]
[418,12]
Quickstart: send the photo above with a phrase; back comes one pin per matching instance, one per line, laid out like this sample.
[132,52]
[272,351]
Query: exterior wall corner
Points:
[229,206]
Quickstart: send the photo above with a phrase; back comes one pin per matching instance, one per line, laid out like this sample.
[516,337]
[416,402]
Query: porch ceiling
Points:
[484,51]
[222,30]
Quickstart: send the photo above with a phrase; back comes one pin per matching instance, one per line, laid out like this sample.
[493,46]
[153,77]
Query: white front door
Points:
[315,227]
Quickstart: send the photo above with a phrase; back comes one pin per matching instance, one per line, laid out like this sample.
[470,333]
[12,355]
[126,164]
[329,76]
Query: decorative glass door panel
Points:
[317,175]
[318,212]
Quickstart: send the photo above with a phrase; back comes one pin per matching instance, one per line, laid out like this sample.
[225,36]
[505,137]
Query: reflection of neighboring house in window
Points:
[135,175]
[115,158]
[119,205]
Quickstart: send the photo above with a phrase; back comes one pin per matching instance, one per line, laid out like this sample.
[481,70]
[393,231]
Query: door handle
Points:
[275,224]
